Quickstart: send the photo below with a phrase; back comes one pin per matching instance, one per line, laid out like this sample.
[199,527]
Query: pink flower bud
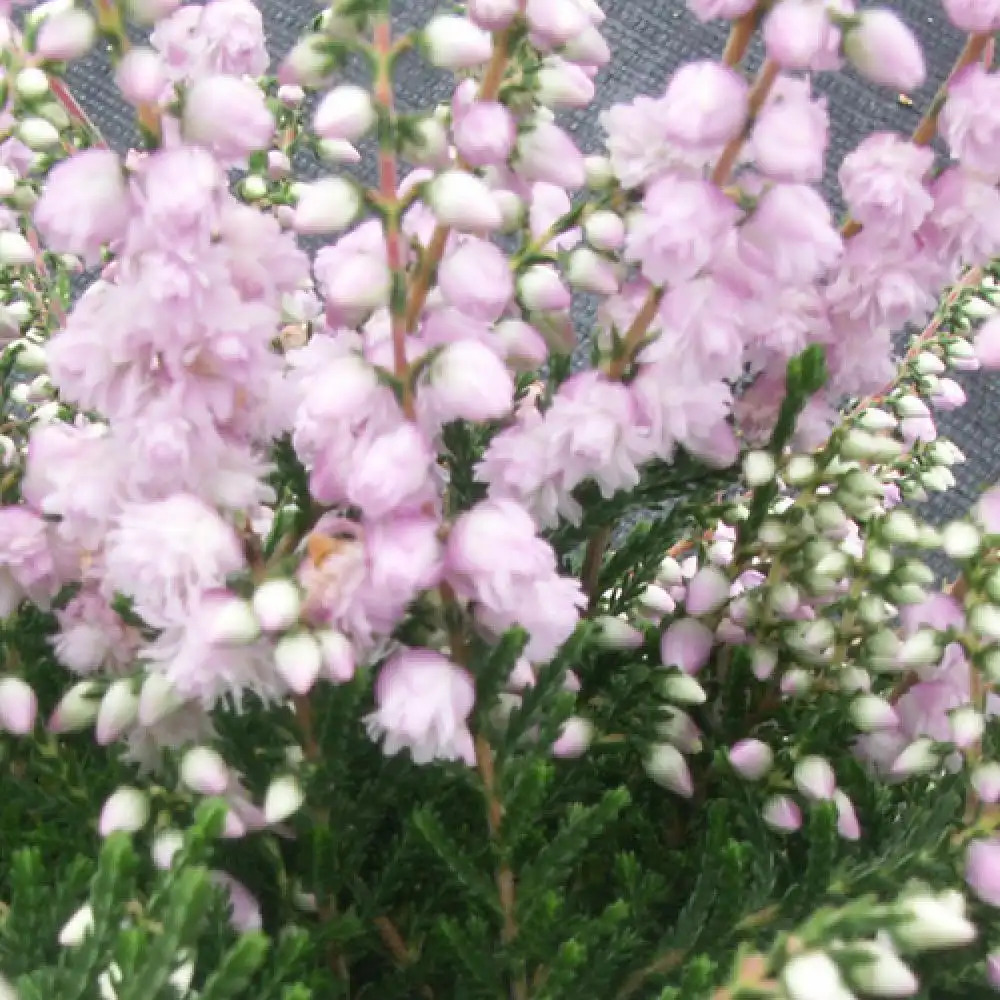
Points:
[282,799]
[204,771]
[467,381]
[141,76]
[326,206]
[524,347]
[987,344]
[561,84]
[77,710]
[277,604]
[605,230]
[298,659]
[555,22]
[18,706]
[456,43]
[574,739]
[847,819]
[982,870]
[346,112]
[165,845]
[463,202]
[493,15]
[475,278]
[244,910]
[591,272]
[306,65]
[546,153]
[119,709]
[883,49]
[705,105]
[278,164]
[973,16]
[707,591]
[814,778]
[686,644]
[485,134]
[666,765]
[797,33]
[986,782]
[752,759]
[542,290]
[338,656]
[127,809]
[782,814]
[616,633]
[228,116]
[66,35]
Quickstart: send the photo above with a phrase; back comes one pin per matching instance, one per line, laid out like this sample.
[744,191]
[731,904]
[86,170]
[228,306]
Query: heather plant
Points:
[376,622]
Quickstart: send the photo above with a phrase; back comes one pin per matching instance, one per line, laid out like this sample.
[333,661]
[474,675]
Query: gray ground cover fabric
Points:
[649,39]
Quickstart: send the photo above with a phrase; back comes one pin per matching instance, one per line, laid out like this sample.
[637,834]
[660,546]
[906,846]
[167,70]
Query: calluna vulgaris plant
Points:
[374,627]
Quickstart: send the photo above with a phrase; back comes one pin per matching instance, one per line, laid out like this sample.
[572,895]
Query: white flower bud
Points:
[669,574]
[833,565]
[900,528]
[758,468]
[326,206]
[934,923]
[911,406]
[684,689]
[763,660]
[77,709]
[254,187]
[346,112]
[814,778]
[157,699]
[814,976]
[960,540]
[872,610]
[165,845]
[31,83]
[799,469]
[854,679]
[119,709]
[599,171]
[284,796]
[78,927]
[204,771]
[884,974]
[918,758]
[605,230]
[337,151]
[463,202]
[127,809]
[299,660]
[654,598]
[874,419]
[938,479]
[929,364]
[930,537]
[679,728]
[617,633]
[871,713]
[921,649]
[667,767]
[772,534]
[15,250]
[38,134]
[967,726]
[984,620]
[589,271]
[429,145]
[277,605]
[233,623]
[456,43]
[977,308]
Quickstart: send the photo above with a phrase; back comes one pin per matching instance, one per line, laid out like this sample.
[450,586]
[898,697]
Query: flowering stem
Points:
[740,35]
[388,178]
[421,285]
[592,560]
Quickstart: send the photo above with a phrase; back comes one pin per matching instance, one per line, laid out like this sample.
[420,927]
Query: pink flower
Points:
[495,559]
[964,224]
[686,644]
[391,472]
[27,567]
[83,204]
[353,275]
[973,16]
[465,381]
[987,344]
[232,33]
[165,554]
[485,134]
[711,10]
[883,49]
[141,76]
[705,105]
[638,150]
[228,116]
[476,279]
[93,636]
[423,705]
[790,135]
[883,183]
[798,35]
[493,15]
[982,870]
[244,910]
[970,121]
[680,229]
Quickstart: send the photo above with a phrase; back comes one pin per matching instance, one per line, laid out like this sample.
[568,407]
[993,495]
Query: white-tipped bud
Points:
[119,709]
[669,574]
[900,528]
[759,468]
[871,713]
[31,83]
[157,699]
[605,230]
[326,206]
[984,620]
[918,758]
[933,923]
[299,660]
[684,689]
[78,927]
[938,479]
[463,202]
[799,470]
[204,771]
[960,540]
[921,649]
[679,728]
[599,172]
[284,796]
[456,43]
[38,134]
[617,633]
[277,604]
[15,250]
[233,623]
[751,759]
[666,765]
[814,778]
[166,844]
[884,974]
[813,975]
[854,679]
[77,709]
[967,727]
[127,809]
[346,112]
[763,660]
[18,706]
